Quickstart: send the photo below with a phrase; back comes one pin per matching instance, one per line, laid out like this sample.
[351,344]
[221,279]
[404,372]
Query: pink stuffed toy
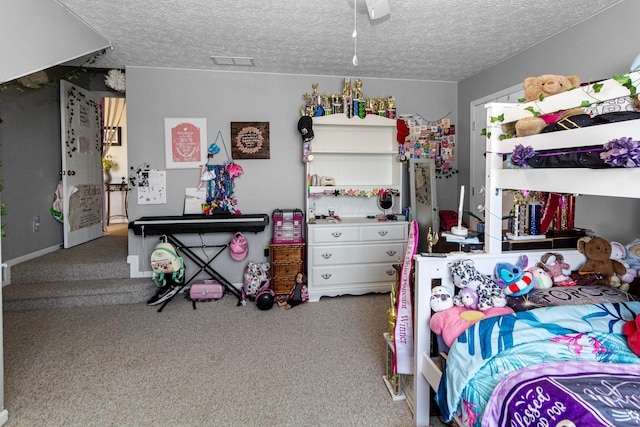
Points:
[553,263]
[632,330]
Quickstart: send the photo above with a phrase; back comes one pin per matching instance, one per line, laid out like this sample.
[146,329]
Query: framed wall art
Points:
[185,142]
[250,140]
[112,136]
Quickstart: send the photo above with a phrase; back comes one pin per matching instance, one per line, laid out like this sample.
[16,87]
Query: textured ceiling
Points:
[442,40]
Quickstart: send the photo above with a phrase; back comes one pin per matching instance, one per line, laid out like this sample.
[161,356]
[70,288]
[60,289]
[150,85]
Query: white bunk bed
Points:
[579,181]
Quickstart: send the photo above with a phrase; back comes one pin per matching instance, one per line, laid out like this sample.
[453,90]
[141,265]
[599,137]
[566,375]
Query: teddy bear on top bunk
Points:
[537,89]
[466,276]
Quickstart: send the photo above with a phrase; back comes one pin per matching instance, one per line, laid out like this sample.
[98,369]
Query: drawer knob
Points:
[326,276]
[391,272]
[336,234]
[383,232]
[391,252]
[326,255]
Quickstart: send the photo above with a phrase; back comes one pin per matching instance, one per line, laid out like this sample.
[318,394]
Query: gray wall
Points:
[30,152]
[222,97]
[594,49]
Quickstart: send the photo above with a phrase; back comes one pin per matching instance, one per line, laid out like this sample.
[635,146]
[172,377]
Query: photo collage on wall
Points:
[428,139]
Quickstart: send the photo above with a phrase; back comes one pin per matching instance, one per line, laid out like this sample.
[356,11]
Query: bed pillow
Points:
[452,322]
[567,295]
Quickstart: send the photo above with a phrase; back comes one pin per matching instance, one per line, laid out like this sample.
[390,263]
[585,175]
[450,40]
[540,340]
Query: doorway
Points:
[478,143]
[115,164]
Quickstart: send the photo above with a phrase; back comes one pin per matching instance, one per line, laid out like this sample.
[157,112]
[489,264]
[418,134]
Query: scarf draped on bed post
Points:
[403,330]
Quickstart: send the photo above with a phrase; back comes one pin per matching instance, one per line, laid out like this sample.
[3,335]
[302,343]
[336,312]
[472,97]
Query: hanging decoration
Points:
[115,79]
[219,181]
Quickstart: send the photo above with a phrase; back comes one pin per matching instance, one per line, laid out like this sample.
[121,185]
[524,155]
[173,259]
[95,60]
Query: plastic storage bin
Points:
[287,226]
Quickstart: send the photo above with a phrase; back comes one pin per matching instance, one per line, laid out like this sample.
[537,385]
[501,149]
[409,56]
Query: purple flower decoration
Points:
[622,152]
[521,154]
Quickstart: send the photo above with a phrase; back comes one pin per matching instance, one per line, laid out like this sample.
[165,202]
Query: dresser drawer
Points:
[356,254]
[285,269]
[283,285]
[362,273]
[384,232]
[287,253]
[333,234]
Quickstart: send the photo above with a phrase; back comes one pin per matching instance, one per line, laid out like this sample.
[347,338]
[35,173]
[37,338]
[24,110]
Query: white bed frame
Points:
[578,181]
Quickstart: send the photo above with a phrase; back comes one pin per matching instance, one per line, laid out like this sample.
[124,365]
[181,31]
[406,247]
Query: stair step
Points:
[76,293]
[35,272]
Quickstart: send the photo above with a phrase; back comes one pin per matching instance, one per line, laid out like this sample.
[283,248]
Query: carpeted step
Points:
[76,293]
[101,258]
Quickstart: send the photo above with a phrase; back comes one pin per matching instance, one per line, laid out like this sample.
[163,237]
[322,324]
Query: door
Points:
[82,181]
[479,143]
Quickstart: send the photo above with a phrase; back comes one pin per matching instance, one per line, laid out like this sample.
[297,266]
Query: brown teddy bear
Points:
[538,88]
[598,253]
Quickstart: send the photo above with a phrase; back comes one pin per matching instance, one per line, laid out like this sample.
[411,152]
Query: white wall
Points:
[223,97]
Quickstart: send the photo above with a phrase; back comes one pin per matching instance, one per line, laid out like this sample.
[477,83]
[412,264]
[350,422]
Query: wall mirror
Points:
[424,203]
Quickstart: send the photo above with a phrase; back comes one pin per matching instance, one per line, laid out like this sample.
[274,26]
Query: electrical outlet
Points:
[36,224]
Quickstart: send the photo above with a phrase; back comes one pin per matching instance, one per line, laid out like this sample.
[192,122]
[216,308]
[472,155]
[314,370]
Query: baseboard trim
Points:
[6,278]
[4,416]
[134,268]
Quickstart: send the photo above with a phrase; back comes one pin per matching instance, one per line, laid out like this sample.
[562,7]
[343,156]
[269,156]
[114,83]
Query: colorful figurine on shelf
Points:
[298,294]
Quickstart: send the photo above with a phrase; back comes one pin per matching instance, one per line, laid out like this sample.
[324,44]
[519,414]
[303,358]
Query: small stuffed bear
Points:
[538,88]
[598,253]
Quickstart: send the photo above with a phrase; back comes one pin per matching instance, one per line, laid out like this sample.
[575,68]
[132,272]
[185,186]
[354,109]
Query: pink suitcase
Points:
[205,290]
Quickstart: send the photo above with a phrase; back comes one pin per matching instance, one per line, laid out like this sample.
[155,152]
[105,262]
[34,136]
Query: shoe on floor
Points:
[164,294]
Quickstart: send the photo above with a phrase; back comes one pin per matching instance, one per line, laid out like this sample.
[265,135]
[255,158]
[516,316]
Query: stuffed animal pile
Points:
[465,275]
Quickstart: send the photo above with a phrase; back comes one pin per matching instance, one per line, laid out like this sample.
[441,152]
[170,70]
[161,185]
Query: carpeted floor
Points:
[320,364]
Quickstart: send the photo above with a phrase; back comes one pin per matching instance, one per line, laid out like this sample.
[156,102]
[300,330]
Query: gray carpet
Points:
[105,363]
[320,364]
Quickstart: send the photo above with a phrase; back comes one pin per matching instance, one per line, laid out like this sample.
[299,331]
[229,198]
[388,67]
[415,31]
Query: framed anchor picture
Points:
[185,142]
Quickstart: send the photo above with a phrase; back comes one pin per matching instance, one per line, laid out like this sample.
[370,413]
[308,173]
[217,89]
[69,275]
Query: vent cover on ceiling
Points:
[233,60]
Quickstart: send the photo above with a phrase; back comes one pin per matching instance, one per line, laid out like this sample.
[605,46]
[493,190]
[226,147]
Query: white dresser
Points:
[353,257]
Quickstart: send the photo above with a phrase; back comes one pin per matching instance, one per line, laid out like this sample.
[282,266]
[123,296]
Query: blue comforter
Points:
[494,347]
